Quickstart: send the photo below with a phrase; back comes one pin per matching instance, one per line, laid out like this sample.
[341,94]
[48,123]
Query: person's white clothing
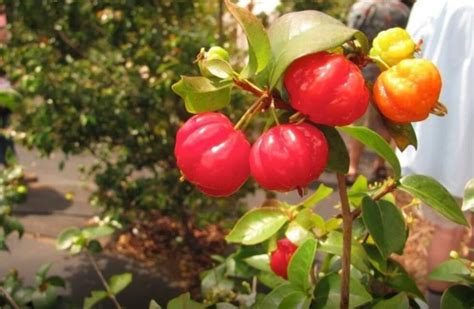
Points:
[446,144]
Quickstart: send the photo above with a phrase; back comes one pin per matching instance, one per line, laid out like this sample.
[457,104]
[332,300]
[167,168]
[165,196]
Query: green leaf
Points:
[296,233]
[452,271]
[376,258]
[67,238]
[97,231]
[201,94]
[10,99]
[459,297]
[225,306]
[257,225]
[296,300]
[399,301]
[327,294]
[358,190]
[96,296]
[11,224]
[260,52]
[320,194]
[219,68]
[154,305]
[333,245]
[404,283]
[94,246]
[261,262]
[434,195]
[184,301]
[297,34]
[44,299]
[338,161]
[301,264]
[56,281]
[276,296]
[402,134]
[119,282]
[386,225]
[270,279]
[468,200]
[43,272]
[376,143]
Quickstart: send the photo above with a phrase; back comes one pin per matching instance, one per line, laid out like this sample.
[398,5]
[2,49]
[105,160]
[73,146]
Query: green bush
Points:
[96,78]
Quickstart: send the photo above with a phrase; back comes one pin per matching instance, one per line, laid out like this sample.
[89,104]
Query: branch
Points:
[9,298]
[103,281]
[347,241]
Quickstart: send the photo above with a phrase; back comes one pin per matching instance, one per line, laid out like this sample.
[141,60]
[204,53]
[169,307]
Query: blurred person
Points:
[445,145]
[371,17]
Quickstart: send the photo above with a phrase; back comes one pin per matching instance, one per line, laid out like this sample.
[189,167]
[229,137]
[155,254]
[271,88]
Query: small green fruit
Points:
[215,52]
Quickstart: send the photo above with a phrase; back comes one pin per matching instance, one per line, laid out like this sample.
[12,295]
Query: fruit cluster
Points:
[215,156]
[327,89]
[408,90]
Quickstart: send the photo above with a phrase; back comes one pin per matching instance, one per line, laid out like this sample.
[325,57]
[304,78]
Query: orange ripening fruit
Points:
[408,91]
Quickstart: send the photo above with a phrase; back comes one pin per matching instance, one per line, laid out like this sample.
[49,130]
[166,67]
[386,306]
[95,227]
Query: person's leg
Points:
[355,151]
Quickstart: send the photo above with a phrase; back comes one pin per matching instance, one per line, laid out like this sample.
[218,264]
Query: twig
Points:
[9,298]
[347,241]
[389,188]
[103,281]
[255,107]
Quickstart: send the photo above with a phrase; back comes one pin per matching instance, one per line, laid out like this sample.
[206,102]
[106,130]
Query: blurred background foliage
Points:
[96,77]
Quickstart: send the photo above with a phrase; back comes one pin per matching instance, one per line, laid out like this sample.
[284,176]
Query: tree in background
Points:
[96,78]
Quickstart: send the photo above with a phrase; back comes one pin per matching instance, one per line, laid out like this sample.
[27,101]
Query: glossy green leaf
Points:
[96,296]
[468,200]
[184,301]
[402,134]
[297,34]
[386,225]
[257,225]
[376,143]
[296,300]
[261,262]
[459,297]
[67,238]
[276,296]
[301,264]
[317,196]
[338,160]
[434,195]
[119,282]
[201,94]
[333,245]
[327,294]
[225,306]
[296,233]
[154,305]
[399,301]
[452,270]
[260,52]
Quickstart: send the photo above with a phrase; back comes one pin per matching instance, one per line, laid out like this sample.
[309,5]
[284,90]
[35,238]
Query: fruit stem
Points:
[272,110]
[347,241]
[250,112]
